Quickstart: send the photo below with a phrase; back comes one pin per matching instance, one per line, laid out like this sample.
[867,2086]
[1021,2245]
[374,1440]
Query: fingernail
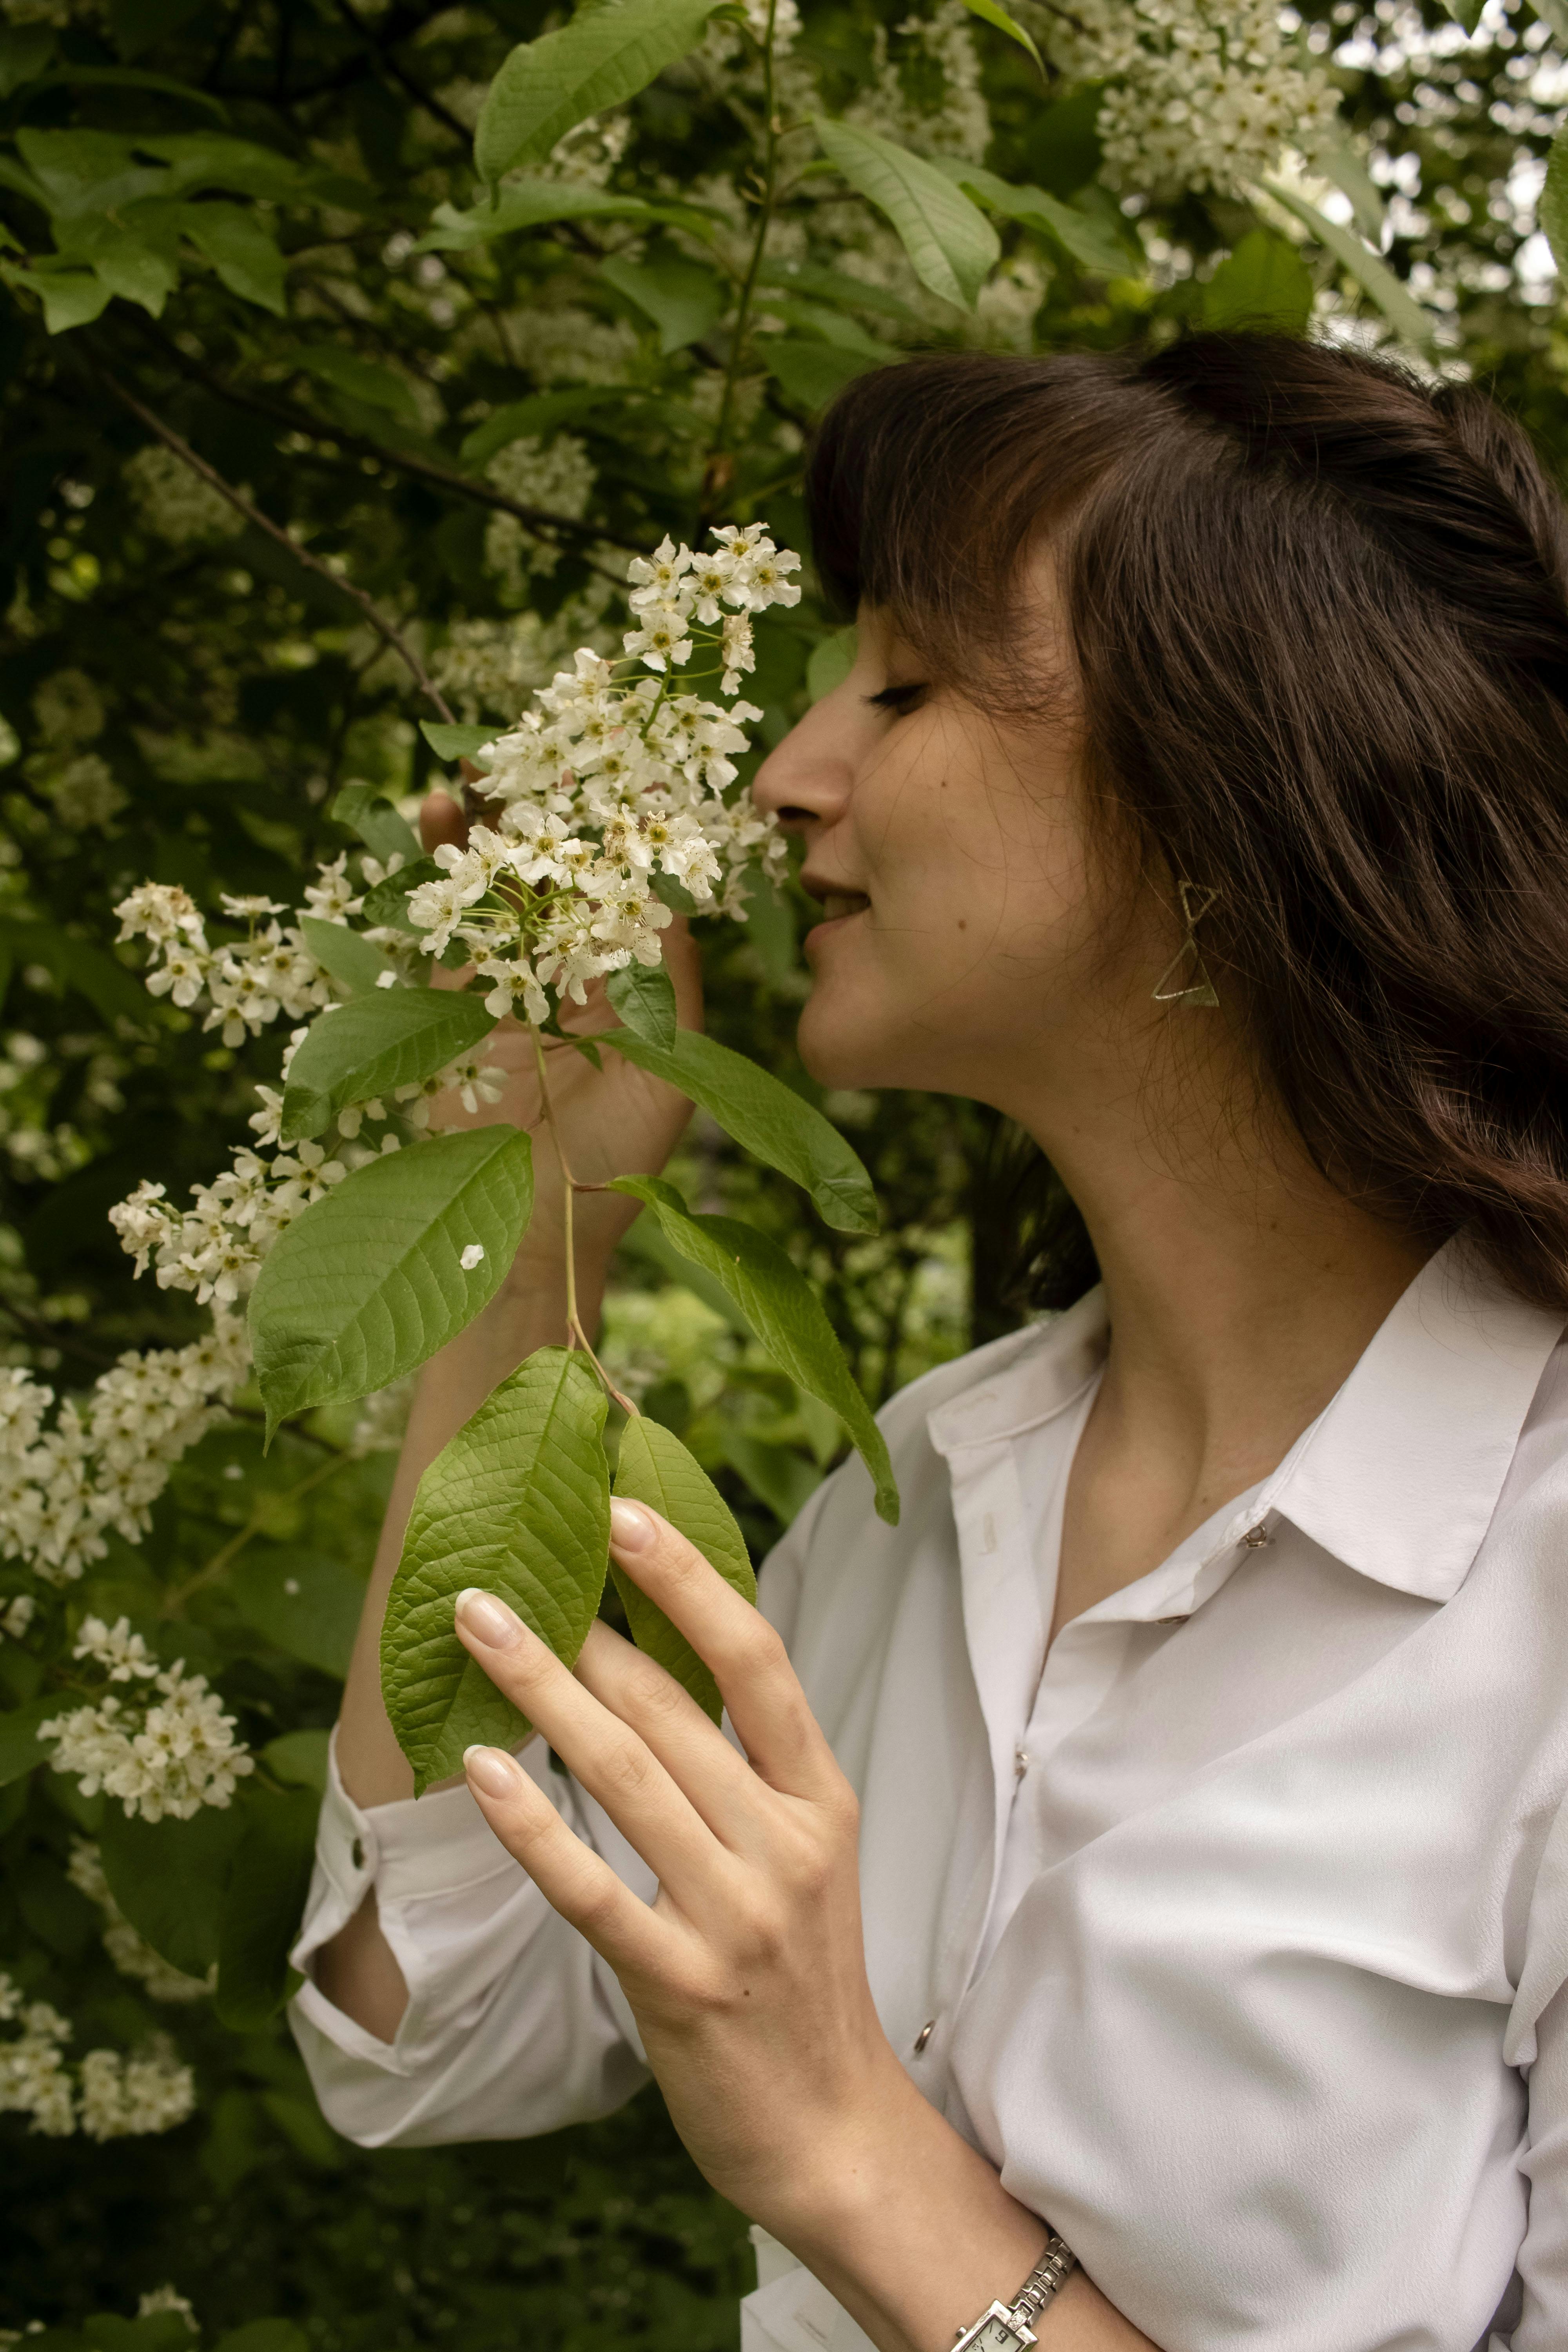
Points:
[631,1530]
[491,1770]
[487,1619]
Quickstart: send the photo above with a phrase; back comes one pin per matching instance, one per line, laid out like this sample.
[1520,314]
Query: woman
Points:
[1198,799]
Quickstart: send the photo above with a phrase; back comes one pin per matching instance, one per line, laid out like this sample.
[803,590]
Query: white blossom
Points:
[169,1757]
[131,1952]
[472,1256]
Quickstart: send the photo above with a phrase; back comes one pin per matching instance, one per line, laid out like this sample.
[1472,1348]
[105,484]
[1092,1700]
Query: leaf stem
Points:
[719,469]
[210,1571]
[576,1337]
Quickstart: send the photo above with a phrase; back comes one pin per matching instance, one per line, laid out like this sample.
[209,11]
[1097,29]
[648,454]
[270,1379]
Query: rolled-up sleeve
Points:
[513,2025]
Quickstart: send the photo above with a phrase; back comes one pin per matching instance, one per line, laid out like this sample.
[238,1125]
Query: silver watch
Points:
[1006,2328]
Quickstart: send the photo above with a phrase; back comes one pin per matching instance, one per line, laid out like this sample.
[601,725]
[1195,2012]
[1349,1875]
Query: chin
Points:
[845,1045]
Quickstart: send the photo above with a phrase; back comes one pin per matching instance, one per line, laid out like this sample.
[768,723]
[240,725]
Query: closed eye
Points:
[899,699]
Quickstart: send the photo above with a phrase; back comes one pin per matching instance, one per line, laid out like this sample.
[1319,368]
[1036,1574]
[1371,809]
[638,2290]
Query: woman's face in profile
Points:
[964,937]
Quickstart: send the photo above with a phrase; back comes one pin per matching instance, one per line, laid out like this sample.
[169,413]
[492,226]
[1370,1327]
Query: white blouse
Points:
[1237,1938]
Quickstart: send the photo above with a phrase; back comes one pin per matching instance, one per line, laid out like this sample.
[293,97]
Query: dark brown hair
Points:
[1319,616]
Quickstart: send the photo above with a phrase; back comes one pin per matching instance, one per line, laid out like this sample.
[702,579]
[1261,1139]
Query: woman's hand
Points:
[746,1975]
[613,1121]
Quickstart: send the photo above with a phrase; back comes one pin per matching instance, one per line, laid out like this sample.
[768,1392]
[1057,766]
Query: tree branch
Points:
[378,621]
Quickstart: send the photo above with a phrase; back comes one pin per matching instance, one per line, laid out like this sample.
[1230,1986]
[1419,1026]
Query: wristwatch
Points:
[1007,2329]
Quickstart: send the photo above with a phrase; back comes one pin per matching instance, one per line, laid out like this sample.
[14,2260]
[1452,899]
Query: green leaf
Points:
[169,1877]
[783,1478]
[206,159]
[837,286]
[124,78]
[604,56]
[353,961]
[263,2335]
[20,1748]
[647,1242]
[1466,12]
[140,25]
[541,413]
[1340,158]
[1089,242]
[519,1504]
[391,1037]
[299,1758]
[811,373]
[364,810]
[362,380]
[242,250]
[1555,14]
[268,1882]
[1394,298]
[387,905]
[683,299]
[1264,285]
[827,325]
[71,298]
[1553,207]
[367,1282]
[952,245]
[995,13]
[832,659]
[25,51]
[452,742]
[643,995]
[654,1467]
[84,172]
[536,203]
[782,1309]
[307,1606]
[767,1118]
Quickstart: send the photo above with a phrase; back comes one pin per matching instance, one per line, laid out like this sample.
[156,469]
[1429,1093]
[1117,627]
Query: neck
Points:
[1241,1287]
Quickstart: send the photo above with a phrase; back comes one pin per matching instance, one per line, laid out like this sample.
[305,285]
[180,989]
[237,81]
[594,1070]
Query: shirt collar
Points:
[1399,1475]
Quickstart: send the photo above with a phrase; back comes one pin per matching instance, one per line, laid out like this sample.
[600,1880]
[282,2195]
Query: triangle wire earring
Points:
[1199,990]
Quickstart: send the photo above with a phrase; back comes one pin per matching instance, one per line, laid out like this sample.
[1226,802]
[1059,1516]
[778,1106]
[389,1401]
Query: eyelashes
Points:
[899,699]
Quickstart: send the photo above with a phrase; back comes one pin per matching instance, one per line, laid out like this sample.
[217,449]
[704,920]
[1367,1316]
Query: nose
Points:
[805,782]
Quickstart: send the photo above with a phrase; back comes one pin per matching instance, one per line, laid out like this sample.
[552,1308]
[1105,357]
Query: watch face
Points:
[994,2335]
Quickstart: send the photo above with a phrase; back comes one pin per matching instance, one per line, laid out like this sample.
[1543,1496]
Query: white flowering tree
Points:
[360,363]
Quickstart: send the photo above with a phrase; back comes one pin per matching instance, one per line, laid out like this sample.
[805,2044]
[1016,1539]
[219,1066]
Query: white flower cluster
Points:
[488,667]
[1203,93]
[107,1458]
[216,1247]
[114,2097]
[168,1753]
[558,478]
[932,101]
[175,503]
[247,982]
[131,1952]
[608,782]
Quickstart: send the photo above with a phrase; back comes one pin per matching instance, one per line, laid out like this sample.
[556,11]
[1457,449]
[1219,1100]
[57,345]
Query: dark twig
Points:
[253,514]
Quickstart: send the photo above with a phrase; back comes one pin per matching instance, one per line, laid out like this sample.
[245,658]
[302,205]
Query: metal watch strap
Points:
[1048,2275]
[1031,2299]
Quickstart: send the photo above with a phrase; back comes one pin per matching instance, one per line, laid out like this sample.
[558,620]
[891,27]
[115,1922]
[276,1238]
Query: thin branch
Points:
[175,1601]
[300,420]
[378,621]
[416,91]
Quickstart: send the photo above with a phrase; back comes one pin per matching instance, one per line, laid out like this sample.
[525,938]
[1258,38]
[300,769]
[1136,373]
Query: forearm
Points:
[357,1972]
[913,2232]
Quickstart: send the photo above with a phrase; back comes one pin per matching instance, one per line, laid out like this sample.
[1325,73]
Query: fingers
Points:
[441,820]
[569,1874]
[605,1756]
[746,1658]
[718,1781]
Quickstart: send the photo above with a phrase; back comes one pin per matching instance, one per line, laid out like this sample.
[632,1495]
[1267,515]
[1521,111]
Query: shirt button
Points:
[924,2035]
[1256,1537]
[1022,1760]
[1170,1621]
